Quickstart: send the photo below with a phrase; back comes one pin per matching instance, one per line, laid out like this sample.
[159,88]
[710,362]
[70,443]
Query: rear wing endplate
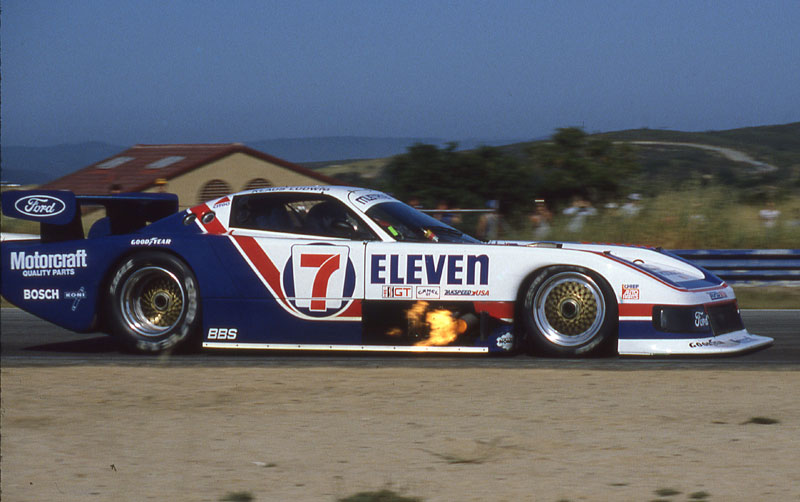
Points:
[59,211]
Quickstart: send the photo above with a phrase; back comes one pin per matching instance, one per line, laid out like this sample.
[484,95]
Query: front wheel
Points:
[570,311]
[154,303]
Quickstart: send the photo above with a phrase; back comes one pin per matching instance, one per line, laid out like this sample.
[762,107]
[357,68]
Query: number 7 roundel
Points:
[319,279]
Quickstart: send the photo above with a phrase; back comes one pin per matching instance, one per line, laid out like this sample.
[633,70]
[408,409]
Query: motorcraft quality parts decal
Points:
[316,282]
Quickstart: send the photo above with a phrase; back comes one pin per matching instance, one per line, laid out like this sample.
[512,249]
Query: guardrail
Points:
[747,265]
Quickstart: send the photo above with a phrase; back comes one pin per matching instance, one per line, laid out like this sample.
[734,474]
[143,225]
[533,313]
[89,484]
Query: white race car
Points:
[340,268]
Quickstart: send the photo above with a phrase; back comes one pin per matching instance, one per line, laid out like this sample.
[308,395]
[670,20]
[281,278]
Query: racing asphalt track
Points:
[26,340]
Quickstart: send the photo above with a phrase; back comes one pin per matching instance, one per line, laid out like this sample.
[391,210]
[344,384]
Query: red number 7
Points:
[327,265]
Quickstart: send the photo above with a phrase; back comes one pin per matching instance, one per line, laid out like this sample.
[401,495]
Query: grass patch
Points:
[767,297]
[667,492]
[699,495]
[762,421]
[237,497]
[379,496]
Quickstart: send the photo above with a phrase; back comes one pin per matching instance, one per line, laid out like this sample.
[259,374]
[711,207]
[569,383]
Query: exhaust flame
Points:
[442,328]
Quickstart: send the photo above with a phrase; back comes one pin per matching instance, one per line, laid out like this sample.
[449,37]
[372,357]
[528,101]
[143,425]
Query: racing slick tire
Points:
[154,303]
[570,311]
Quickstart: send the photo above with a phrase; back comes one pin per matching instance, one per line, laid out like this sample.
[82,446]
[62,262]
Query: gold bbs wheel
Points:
[152,301]
[568,309]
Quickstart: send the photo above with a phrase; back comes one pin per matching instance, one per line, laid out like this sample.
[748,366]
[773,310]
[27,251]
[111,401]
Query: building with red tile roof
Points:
[196,173]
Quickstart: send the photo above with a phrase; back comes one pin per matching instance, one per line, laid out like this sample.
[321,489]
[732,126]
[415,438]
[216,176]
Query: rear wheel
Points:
[570,311]
[154,303]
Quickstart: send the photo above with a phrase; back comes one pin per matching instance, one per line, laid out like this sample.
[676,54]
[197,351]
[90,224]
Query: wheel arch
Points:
[525,283]
[103,314]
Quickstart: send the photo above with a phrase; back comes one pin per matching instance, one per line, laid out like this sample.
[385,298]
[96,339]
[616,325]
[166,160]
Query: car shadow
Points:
[96,345]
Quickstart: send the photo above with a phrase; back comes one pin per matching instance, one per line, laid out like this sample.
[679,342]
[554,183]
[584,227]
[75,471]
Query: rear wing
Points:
[59,211]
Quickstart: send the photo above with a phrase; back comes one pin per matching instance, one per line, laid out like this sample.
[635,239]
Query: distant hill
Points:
[36,165]
[764,156]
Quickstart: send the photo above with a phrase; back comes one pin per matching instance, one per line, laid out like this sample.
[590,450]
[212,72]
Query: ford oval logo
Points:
[40,206]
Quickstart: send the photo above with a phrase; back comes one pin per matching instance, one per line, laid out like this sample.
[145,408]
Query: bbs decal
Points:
[223,333]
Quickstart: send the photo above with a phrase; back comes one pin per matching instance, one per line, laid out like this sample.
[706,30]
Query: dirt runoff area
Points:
[439,434]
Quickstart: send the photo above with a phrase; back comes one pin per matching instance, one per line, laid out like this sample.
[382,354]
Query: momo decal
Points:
[48,264]
[319,280]
[451,270]
[372,197]
[40,206]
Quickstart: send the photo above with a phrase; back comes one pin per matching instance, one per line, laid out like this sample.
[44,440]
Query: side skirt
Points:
[357,348]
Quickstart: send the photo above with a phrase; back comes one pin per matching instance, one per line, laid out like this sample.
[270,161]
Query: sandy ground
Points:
[319,434]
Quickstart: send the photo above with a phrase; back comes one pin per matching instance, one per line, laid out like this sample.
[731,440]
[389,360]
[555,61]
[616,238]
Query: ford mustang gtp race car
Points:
[338,268]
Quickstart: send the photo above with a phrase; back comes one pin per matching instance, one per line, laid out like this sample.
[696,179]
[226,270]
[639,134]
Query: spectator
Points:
[540,220]
[769,215]
[631,208]
[579,210]
[489,223]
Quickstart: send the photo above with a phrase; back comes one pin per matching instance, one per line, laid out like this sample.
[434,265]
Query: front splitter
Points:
[729,343]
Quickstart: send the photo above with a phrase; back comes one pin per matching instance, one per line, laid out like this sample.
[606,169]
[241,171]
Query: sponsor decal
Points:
[506,342]
[371,197]
[223,333]
[223,202]
[707,343]
[427,292]
[319,280]
[77,296]
[151,241]
[466,292]
[40,294]
[396,292]
[717,295]
[452,270]
[48,264]
[40,206]
[700,320]
[630,292]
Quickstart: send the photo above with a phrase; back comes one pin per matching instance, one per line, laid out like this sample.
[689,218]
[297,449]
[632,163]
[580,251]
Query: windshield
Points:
[404,223]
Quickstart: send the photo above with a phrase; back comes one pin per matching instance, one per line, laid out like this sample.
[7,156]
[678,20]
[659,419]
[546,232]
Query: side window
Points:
[298,214]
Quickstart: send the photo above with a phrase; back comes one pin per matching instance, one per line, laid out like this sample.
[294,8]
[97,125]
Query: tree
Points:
[465,179]
[574,164]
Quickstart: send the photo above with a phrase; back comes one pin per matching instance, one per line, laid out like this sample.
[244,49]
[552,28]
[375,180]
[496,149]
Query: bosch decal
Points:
[40,294]
[319,280]
[40,206]
[630,292]
[48,264]
[429,269]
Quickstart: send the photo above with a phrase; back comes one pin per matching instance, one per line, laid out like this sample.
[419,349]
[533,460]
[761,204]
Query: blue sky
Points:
[150,71]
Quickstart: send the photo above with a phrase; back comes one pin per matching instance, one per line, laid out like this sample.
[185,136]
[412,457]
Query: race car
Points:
[348,269]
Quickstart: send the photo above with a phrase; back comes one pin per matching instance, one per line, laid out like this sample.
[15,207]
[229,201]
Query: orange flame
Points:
[444,329]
